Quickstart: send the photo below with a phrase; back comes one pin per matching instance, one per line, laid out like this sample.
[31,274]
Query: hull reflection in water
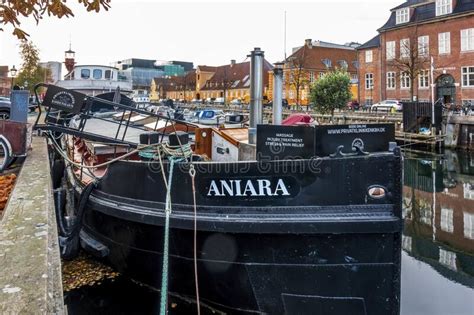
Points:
[438,209]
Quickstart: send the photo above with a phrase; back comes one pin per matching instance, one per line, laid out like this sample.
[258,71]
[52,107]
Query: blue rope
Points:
[164,276]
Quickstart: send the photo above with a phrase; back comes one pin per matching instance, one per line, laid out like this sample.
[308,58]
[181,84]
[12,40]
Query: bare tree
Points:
[412,60]
[298,76]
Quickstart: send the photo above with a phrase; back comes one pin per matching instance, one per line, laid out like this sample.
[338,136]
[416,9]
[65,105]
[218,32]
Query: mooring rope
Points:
[192,173]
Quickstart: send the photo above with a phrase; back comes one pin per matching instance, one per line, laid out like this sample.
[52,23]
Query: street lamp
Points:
[12,75]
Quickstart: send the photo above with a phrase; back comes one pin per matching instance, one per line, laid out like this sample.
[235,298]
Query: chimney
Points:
[232,62]
[308,43]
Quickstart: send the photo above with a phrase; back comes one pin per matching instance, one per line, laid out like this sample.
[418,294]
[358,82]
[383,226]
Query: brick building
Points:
[231,81]
[310,62]
[5,81]
[396,64]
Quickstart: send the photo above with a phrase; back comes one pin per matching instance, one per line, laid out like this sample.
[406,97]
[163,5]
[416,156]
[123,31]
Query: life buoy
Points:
[5,153]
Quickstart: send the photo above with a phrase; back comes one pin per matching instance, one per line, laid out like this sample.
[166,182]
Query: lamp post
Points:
[13,72]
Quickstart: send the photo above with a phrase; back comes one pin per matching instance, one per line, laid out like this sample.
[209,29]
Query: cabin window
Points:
[85,74]
[108,74]
[97,74]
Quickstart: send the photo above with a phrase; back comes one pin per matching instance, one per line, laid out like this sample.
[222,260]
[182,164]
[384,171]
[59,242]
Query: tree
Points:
[412,61]
[332,91]
[12,11]
[31,72]
[298,76]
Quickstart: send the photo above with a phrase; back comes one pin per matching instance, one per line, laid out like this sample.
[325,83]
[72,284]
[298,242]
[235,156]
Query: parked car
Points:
[387,105]
[353,105]
[284,103]
[219,101]
[236,101]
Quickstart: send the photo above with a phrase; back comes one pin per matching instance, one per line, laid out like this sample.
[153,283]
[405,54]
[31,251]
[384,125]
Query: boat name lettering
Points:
[63,98]
[242,188]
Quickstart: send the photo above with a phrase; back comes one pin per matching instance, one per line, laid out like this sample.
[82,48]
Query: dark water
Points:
[437,258]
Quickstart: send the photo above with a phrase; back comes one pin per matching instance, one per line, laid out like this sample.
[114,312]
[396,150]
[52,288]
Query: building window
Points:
[423,46]
[327,63]
[467,76]
[447,258]
[85,74]
[321,75]
[447,224]
[368,56]
[468,225]
[343,64]
[468,103]
[311,76]
[467,39]
[391,83]
[444,7]
[369,101]
[405,82]
[292,94]
[97,74]
[402,15]
[390,50]
[444,43]
[405,48]
[369,81]
[423,79]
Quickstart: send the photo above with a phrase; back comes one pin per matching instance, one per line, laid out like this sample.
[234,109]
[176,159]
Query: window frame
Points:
[469,73]
[446,43]
[391,76]
[367,54]
[404,50]
[467,39]
[426,79]
[402,16]
[444,7]
[369,77]
[94,71]
[83,76]
[405,78]
[393,50]
[424,47]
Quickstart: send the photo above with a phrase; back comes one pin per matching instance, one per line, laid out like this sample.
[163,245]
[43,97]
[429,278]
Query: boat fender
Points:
[7,152]
[69,244]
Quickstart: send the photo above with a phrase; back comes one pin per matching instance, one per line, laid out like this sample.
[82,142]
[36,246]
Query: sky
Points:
[206,33]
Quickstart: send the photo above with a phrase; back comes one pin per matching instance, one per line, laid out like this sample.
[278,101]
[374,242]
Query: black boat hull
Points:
[334,255]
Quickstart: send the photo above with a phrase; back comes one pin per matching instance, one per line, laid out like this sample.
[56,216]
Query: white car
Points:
[387,105]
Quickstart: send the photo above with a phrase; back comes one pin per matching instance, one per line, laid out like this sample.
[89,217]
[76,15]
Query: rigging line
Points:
[192,173]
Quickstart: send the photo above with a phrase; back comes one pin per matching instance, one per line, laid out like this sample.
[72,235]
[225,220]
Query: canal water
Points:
[437,258]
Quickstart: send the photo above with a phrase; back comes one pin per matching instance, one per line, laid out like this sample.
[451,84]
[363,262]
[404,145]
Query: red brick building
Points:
[396,63]
[5,81]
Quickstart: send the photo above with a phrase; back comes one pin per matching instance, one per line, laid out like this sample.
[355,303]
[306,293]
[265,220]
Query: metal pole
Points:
[256,92]
[432,98]
[277,93]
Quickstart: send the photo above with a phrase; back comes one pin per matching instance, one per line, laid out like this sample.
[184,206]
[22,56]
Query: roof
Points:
[312,58]
[207,68]
[234,76]
[374,42]
[425,11]
[177,83]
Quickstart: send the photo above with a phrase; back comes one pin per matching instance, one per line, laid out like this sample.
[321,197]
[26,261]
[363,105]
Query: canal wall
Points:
[30,277]
[459,131]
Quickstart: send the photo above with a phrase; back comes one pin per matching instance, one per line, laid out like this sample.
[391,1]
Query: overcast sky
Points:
[210,33]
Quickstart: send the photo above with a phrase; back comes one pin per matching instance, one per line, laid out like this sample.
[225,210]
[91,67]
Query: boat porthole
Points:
[376,192]
[204,134]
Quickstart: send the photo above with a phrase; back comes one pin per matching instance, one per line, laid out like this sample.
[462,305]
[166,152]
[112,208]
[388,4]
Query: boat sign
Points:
[63,99]
[250,187]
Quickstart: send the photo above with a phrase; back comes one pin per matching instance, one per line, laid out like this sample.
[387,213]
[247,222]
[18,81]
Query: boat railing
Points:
[61,106]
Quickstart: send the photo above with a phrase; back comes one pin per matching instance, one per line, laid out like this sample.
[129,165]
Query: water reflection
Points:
[438,240]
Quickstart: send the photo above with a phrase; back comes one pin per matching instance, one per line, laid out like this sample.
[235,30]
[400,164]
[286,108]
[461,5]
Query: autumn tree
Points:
[331,92]
[31,72]
[12,11]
